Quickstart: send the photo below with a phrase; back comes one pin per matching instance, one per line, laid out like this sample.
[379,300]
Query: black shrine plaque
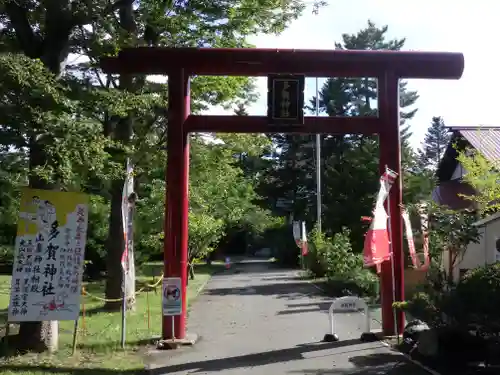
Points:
[285,99]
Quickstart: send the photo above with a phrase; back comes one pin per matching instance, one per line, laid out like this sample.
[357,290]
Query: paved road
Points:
[256,319]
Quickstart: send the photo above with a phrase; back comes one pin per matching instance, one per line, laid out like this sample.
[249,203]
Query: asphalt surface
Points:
[257,319]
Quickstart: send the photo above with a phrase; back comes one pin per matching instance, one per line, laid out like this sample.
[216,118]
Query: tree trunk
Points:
[37,336]
[123,133]
[116,246]
[52,50]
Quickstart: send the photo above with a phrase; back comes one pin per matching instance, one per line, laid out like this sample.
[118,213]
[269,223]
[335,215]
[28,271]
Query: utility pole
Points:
[318,165]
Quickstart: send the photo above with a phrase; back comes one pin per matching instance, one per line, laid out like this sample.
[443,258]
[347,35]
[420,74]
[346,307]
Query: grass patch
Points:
[99,350]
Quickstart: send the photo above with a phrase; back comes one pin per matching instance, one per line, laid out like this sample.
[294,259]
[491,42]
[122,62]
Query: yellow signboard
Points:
[48,264]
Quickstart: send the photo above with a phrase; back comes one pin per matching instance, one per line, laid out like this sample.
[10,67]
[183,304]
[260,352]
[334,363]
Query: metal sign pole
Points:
[124,309]
[392,254]
[318,164]
[173,328]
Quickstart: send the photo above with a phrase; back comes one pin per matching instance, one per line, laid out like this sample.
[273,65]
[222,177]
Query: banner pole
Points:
[124,310]
[392,255]
[318,165]
[301,248]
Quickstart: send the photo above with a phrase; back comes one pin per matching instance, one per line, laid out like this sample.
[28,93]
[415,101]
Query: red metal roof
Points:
[486,140]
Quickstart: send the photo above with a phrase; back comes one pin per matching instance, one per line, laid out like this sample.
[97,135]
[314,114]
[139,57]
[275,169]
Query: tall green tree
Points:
[349,163]
[50,31]
[358,96]
[46,142]
[354,158]
[435,143]
[240,110]
[170,24]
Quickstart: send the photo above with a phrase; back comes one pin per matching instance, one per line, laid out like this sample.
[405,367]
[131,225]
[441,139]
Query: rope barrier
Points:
[100,299]
[146,287]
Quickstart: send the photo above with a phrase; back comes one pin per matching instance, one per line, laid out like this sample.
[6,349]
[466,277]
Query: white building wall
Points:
[478,254]
[492,236]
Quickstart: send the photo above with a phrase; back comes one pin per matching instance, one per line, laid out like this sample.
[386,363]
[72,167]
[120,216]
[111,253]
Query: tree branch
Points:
[29,41]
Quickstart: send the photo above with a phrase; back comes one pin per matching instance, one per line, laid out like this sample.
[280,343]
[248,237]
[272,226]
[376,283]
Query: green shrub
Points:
[476,299]
[334,259]
[426,307]
[472,302]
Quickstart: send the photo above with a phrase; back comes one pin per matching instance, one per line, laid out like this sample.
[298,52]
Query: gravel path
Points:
[256,319]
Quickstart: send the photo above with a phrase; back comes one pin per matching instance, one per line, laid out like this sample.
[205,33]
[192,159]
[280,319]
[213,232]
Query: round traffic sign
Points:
[172,293]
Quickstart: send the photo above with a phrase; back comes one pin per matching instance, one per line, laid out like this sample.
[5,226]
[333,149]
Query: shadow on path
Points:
[289,290]
[23,369]
[255,359]
[259,318]
[371,364]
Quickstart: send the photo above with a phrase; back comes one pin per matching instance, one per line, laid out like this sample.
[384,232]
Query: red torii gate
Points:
[181,63]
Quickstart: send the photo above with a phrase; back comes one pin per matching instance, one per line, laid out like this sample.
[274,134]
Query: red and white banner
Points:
[376,248]
[128,189]
[411,244]
[127,260]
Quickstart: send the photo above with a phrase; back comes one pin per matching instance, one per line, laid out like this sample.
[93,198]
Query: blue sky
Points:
[469,27]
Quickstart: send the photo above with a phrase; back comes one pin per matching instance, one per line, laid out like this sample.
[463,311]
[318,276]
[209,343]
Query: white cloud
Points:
[427,25]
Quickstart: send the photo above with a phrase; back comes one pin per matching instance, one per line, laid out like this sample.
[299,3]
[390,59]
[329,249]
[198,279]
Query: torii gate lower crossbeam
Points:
[180,63]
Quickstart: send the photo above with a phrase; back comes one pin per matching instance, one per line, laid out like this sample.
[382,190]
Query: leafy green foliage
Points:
[66,126]
[436,300]
[426,306]
[12,177]
[85,124]
[349,163]
[484,176]
[205,232]
[334,259]
[452,231]
[471,303]
[475,299]
[39,120]
[97,233]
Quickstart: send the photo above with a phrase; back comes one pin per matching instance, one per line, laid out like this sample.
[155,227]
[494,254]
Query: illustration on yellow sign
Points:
[48,264]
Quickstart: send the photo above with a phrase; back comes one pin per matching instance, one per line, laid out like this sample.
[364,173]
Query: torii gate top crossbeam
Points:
[261,62]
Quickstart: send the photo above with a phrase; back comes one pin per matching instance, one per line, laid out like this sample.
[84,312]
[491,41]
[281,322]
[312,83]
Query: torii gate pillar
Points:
[390,156]
[177,197]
